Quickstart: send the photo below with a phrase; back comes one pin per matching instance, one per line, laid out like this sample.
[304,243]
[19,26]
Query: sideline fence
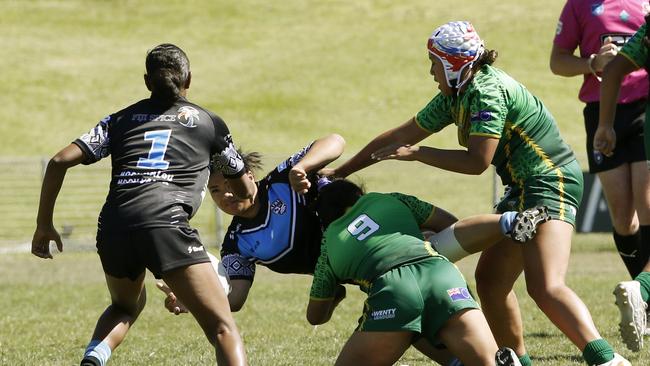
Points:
[85,188]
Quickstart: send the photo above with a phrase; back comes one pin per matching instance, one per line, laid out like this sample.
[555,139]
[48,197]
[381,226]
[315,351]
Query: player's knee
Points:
[543,293]
[132,307]
[219,332]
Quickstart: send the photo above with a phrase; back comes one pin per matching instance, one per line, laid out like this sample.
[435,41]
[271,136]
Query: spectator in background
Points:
[631,296]
[599,30]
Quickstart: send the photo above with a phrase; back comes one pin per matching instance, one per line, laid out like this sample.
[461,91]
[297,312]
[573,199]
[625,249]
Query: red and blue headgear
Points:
[457,46]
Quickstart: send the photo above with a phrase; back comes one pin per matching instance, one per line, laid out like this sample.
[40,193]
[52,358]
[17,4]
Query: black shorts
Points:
[628,125]
[128,253]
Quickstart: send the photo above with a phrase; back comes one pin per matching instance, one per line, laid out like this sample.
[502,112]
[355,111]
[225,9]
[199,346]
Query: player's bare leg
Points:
[199,289]
[127,301]
[374,348]
[497,270]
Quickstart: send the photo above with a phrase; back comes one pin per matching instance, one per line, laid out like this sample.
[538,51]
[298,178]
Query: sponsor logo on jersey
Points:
[187,116]
[558,29]
[131,177]
[383,314]
[192,249]
[480,116]
[624,15]
[459,294]
[619,39]
[597,9]
[145,117]
[278,207]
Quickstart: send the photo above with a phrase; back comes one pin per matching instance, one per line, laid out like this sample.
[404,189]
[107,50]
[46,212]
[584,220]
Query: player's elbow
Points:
[477,167]
[236,306]
[337,140]
[318,312]
[316,320]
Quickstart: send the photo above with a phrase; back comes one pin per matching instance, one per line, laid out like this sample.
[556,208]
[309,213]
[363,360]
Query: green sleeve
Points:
[421,210]
[324,283]
[635,50]
[488,110]
[436,115]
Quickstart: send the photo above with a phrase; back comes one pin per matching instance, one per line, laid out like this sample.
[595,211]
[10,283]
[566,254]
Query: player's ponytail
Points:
[335,198]
[168,70]
[487,58]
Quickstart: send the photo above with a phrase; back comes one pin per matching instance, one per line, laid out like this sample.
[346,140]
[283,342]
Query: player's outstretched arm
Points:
[322,152]
[407,133]
[52,181]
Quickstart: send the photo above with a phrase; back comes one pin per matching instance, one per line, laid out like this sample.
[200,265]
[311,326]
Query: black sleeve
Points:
[225,156]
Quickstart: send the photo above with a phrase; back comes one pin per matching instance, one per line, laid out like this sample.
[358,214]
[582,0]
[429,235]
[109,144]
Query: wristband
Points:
[590,62]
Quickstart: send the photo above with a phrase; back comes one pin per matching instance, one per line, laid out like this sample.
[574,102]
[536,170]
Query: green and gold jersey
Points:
[495,105]
[635,50]
[380,232]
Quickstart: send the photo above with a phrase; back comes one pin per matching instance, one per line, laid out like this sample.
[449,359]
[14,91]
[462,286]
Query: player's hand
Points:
[605,140]
[330,173]
[171,302]
[298,180]
[41,241]
[396,151]
[606,53]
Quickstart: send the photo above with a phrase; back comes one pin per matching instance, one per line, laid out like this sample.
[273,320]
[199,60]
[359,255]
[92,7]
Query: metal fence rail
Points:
[85,188]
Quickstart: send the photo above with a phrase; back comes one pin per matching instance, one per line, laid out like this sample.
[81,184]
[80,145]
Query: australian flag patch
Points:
[480,116]
[458,294]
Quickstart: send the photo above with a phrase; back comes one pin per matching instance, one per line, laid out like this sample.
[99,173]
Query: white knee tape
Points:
[445,243]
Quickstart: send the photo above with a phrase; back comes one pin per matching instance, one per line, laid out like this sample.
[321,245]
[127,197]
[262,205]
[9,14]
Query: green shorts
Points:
[560,191]
[418,297]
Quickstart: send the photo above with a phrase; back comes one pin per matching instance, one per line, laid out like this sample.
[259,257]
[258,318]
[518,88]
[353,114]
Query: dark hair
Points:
[335,198]
[252,161]
[487,58]
[168,70]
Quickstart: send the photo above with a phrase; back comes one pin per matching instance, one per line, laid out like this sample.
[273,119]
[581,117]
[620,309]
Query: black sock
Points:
[644,245]
[630,252]
[90,361]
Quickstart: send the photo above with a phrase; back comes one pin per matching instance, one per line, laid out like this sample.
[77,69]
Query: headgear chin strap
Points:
[457,46]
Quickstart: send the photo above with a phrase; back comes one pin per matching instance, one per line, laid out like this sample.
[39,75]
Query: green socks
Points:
[644,279]
[525,360]
[598,352]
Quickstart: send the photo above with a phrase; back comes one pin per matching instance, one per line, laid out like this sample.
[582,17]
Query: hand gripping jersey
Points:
[380,232]
[160,160]
[284,236]
[587,24]
[496,105]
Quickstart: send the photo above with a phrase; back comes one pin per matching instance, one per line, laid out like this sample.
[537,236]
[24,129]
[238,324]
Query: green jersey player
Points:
[374,241]
[501,123]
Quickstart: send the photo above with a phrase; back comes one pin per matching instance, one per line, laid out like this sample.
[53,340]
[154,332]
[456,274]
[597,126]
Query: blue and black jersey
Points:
[284,236]
[160,162]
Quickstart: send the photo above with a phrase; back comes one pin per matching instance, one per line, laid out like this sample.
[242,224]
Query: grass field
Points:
[280,74]
[50,308]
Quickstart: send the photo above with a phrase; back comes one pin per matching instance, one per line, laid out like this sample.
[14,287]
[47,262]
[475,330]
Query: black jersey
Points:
[160,162]
[284,236]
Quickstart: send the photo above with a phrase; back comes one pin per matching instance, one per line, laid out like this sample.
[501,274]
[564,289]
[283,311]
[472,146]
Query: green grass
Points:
[280,73]
[50,309]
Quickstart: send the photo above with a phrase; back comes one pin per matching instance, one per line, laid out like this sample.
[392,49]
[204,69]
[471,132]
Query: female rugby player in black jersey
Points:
[160,148]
